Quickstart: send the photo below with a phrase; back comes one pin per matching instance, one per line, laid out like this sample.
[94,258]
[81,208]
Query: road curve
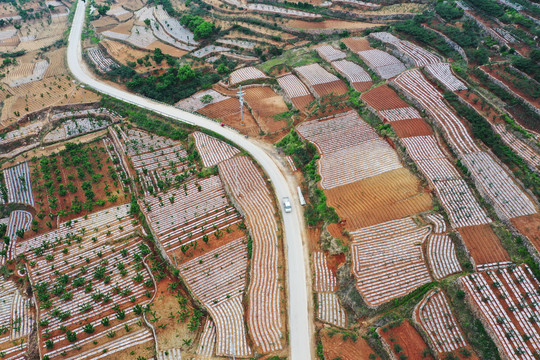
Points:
[299,276]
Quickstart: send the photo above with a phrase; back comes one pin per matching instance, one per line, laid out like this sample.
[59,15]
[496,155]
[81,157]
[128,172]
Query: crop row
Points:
[218,279]
[19,222]
[256,201]
[18,184]
[212,150]
[382,63]
[442,257]
[245,74]
[330,53]
[388,261]
[100,60]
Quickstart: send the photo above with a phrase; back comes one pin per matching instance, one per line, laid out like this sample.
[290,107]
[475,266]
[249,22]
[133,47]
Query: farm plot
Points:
[207,342]
[401,340]
[179,221]
[200,100]
[72,183]
[98,58]
[17,319]
[30,130]
[18,184]
[246,74]
[19,223]
[439,224]
[173,27]
[411,127]
[384,98]
[256,201]
[212,150]
[435,317]
[507,301]
[282,11]
[37,74]
[296,91]
[508,199]
[442,73]
[265,105]
[410,53]
[350,149]
[330,53]
[321,81]
[72,128]
[209,50]
[329,308]
[91,284]
[336,346]
[388,196]
[357,76]
[388,261]
[416,86]
[157,160]
[356,44]
[519,146]
[228,111]
[442,257]
[218,279]
[382,63]
[484,247]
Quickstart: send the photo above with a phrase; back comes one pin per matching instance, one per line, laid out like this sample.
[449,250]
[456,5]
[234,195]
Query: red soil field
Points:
[335,347]
[530,227]
[483,245]
[485,109]
[405,338]
[357,44]
[392,195]
[337,87]
[383,98]
[265,103]
[228,111]
[302,102]
[362,86]
[411,127]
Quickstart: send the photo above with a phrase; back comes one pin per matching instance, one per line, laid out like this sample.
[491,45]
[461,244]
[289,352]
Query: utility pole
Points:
[241,98]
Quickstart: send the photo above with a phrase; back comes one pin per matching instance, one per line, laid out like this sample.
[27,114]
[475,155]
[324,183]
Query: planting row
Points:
[330,53]
[442,257]
[350,149]
[212,150]
[218,280]
[252,195]
[102,62]
[18,184]
[200,100]
[246,74]
[443,74]
[16,321]
[508,302]
[407,51]
[357,76]
[19,223]
[329,309]
[388,261]
[382,63]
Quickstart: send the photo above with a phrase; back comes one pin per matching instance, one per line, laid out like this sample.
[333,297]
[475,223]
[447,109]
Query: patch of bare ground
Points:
[483,244]
[392,195]
[530,227]
[338,346]
[403,339]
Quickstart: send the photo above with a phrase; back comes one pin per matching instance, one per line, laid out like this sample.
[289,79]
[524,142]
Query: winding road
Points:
[299,276]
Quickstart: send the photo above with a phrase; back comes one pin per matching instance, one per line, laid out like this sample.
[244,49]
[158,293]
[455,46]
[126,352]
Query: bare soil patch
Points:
[483,245]
[530,227]
[411,127]
[167,49]
[383,98]
[336,345]
[406,339]
[265,103]
[330,24]
[357,44]
[392,195]
[228,111]
[337,87]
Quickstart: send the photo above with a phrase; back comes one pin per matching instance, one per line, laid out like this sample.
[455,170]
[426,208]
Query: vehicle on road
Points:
[287,205]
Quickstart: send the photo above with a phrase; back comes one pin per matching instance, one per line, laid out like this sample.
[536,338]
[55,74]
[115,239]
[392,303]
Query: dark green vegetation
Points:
[305,157]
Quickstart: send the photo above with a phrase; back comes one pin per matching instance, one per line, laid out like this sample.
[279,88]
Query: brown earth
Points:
[483,245]
[335,346]
[330,24]
[337,87]
[214,242]
[383,98]
[228,111]
[167,49]
[406,339]
[265,103]
[44,200]
[302,102]
[392,195]
[362,86]
[411,127]
[498,72]
[529,226]
[357,44]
